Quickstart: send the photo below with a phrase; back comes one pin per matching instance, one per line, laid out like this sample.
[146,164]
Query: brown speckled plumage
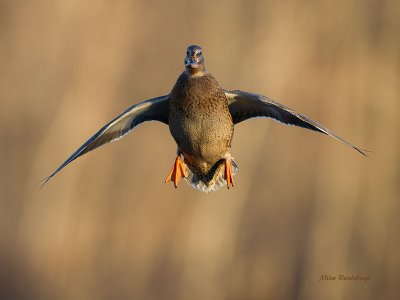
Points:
[199,121]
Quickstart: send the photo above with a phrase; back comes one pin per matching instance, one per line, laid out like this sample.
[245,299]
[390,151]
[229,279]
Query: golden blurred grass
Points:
[303,205]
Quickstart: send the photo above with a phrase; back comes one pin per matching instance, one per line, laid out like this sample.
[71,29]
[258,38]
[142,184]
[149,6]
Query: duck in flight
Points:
[201,116]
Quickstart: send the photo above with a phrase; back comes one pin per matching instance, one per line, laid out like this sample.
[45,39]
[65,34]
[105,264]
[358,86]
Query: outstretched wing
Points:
[244,105]
[156,109]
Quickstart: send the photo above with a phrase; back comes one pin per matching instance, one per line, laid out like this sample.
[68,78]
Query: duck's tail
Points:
[211,181]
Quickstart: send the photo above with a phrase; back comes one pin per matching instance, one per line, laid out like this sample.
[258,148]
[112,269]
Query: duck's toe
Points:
[177,172]
[228,173]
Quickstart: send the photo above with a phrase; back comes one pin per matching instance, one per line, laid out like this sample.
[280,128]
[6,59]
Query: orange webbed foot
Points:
[228,174]
[177,172]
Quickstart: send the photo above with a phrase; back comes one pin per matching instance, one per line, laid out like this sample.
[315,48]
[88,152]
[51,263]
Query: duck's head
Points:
[194,61]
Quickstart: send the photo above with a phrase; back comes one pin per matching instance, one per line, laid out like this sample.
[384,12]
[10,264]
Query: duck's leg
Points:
[228,173]
[177,172]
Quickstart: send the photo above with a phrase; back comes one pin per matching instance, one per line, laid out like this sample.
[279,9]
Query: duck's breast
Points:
[199,118]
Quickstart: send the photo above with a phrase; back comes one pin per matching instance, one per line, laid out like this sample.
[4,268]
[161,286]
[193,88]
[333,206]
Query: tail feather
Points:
[213,180]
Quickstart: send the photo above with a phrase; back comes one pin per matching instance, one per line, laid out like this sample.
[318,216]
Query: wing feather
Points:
[245,105]
[156,109]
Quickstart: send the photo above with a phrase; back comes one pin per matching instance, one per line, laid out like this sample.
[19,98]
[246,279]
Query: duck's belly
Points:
[204,140]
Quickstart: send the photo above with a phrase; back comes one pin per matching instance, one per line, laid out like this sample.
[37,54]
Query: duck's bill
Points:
[191,64]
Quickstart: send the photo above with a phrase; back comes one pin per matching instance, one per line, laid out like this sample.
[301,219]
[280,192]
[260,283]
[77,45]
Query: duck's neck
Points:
[195,72]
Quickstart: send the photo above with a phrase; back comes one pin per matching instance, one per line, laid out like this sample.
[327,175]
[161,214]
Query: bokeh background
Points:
[304,205]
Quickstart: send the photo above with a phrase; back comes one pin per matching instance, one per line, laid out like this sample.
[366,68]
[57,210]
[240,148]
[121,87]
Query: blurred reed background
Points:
[304,205]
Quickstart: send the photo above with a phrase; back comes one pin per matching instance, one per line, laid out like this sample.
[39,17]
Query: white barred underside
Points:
[212,181]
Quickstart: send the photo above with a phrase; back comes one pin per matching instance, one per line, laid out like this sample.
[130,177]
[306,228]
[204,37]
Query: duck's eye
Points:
[199,53]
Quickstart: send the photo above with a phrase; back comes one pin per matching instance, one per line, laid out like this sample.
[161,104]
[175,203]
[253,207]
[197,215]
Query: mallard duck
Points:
[201,116]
